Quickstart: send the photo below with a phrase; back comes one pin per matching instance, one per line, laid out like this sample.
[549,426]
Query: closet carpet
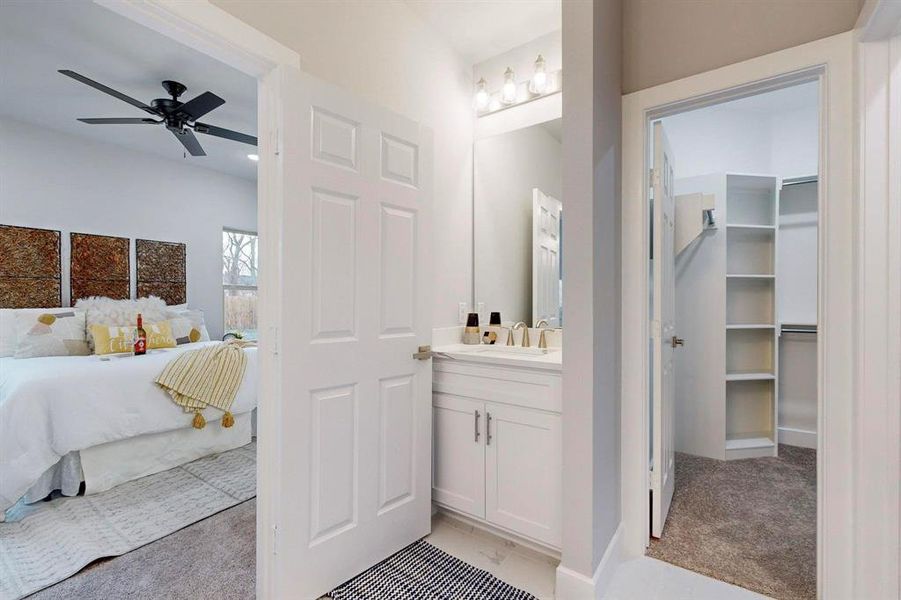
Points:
[748,522]
[213,559]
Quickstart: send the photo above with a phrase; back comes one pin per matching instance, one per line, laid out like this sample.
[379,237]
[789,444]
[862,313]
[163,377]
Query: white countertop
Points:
[552,361]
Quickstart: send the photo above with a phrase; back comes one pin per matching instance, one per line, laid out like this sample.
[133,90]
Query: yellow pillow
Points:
[110,339]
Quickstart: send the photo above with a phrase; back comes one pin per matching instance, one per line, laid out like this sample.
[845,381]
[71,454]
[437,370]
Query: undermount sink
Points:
[504,349]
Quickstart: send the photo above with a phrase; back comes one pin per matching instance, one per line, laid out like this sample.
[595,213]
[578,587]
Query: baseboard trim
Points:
[798,437]
[572,585]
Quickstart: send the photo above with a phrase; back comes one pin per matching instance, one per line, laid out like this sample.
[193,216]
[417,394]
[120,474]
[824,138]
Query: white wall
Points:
[507,167]
[592,292]
[386,54]
[57,181]
[721,138]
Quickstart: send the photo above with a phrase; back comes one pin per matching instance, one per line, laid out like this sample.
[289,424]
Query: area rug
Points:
[44,543]
[750,522]
[423,571]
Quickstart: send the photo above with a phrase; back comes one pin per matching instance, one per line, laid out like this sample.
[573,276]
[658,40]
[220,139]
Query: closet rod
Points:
[799,329]
[799,180]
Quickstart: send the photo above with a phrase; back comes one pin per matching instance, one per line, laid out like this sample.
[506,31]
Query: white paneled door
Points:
[663,332]
[355,411]
[546,212]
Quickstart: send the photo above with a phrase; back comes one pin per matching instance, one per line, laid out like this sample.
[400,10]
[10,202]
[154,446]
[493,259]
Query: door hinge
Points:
[275,540]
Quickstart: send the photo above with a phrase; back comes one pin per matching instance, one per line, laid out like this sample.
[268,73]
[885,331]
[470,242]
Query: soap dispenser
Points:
[471,334]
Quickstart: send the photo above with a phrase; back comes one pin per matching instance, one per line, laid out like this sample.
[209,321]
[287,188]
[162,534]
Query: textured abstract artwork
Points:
[161,270]
[99,266]
[30,269]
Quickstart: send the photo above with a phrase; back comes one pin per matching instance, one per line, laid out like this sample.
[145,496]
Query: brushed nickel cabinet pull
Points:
[488,428]
[476,432]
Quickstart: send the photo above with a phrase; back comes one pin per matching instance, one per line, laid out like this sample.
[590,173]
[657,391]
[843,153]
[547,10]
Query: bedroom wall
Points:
[57,181]
[386,54]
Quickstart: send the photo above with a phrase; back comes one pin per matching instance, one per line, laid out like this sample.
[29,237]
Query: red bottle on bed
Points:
[140,338]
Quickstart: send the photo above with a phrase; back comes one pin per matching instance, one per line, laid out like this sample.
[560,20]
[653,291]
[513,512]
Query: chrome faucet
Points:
[525,333]
[543,325]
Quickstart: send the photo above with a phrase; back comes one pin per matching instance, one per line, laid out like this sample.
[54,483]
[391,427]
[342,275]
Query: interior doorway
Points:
[733,307]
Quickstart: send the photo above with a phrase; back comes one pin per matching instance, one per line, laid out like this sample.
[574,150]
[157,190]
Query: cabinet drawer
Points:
[505,385]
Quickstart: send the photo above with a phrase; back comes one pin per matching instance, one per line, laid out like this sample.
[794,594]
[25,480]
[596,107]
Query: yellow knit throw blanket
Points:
[206,377]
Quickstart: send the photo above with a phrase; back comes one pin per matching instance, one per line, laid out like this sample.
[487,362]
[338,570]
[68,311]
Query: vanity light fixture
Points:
[482,97]
[538,83]
[254,157]
[508,92]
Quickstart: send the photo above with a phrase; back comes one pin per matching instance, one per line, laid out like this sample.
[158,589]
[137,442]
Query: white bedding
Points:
[55,405]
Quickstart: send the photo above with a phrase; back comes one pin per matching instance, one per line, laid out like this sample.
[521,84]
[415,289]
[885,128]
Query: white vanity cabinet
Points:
[497,446]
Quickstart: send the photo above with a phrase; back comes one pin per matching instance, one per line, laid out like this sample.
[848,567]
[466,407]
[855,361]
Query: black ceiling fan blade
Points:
[197,107]
[121,121]
[228,134]
[189,142]
[107,90]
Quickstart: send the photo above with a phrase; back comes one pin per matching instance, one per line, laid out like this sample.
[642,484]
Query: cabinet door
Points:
[458,453]
[523,459]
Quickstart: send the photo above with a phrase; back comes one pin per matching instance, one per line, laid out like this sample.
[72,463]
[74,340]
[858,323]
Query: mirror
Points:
[517,224]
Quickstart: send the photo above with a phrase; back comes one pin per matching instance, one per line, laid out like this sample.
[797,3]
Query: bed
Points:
[102,420]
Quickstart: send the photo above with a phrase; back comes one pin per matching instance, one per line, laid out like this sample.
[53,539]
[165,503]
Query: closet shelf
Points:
[750,326]
[750,276]
[746,443]
[750,376]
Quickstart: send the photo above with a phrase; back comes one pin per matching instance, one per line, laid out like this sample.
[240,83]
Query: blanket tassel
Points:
[228,419]
[199,422]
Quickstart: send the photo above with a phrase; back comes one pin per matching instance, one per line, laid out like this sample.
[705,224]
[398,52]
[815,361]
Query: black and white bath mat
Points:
[423,572]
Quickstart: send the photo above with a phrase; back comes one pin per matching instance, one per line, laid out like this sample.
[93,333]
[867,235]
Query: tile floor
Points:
[638,579]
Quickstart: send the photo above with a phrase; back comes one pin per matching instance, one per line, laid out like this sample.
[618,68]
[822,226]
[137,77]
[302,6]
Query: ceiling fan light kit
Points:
[179,117]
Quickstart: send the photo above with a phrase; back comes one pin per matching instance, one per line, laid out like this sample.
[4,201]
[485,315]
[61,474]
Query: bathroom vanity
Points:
[497,440]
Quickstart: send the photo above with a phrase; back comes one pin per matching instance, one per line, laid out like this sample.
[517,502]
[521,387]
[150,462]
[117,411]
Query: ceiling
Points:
[480,29]
[38,38]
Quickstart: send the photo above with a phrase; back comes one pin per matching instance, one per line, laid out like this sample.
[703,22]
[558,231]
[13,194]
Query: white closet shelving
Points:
[752,206]
[727,372]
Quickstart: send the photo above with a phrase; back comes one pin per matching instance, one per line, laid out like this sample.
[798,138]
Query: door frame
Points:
[830,62]
[206,28]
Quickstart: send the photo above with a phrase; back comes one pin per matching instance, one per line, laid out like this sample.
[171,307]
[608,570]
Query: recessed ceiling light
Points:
[254,157]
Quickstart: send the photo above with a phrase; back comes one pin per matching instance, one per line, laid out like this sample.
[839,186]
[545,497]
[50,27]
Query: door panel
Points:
[523,469]
[546,211]
[663,331]
[355,409]
[459,453]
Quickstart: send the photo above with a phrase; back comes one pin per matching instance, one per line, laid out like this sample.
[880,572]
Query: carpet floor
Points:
[213,559]
[748,522]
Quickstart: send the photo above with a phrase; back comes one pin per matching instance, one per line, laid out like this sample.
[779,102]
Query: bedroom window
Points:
[240,265]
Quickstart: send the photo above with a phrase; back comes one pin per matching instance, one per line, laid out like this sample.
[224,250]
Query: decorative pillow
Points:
[122,313]
[184,331]
[195,317]
[50,332]
[112,339]
[8,331]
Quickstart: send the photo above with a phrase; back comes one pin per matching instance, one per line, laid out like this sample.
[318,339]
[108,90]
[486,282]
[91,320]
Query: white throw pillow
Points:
[106,311]
[186,319]
[50,332]
[7,332]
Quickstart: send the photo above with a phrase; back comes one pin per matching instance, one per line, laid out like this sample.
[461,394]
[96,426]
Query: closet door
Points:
[458,454]
[523,469]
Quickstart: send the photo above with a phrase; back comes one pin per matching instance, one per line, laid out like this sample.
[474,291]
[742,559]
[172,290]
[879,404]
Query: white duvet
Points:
[55,405]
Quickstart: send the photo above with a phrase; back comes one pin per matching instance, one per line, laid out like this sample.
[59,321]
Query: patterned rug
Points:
[423,571]
[44,543]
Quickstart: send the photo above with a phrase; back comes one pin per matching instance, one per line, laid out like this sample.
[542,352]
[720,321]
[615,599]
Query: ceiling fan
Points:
[178,117]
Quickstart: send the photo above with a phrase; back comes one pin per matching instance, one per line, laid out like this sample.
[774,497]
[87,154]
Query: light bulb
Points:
[508,93]
[482,97]
[538,83]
